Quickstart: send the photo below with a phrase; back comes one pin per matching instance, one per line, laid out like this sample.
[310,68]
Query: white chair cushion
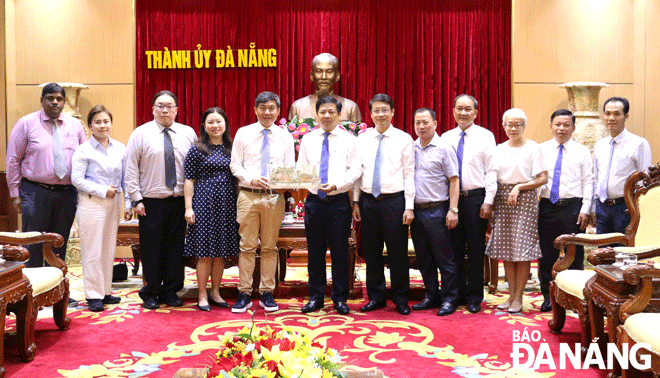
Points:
[43,279]
[596,237]
[573,281]
[21,235]
[644,328]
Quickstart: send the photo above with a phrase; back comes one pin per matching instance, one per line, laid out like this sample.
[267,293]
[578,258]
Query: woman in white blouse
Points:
[514,239]
[97,172]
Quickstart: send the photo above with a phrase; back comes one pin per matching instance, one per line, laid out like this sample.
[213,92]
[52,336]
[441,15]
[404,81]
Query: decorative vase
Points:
[583,102]
[72,91]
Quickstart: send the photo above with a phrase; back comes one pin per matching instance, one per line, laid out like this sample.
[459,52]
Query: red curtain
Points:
[421,53]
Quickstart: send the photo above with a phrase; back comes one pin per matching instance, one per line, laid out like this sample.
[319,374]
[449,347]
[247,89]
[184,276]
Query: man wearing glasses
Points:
[154,180]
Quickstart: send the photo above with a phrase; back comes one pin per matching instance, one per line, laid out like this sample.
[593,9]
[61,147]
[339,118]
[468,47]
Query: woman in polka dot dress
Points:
[210,195]
[514,239]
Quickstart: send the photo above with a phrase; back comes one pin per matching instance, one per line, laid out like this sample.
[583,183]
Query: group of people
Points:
[210,198]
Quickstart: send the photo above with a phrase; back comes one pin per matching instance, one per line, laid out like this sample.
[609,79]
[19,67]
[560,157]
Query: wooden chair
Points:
[568,289]
[50,286]
[638,325]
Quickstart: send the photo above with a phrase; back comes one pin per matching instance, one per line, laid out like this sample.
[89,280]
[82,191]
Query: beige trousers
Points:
[259,217]
[98,219]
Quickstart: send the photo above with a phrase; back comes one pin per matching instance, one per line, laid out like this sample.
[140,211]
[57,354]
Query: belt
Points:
[562,202]
[615,201]
[428,205]
[473,192]
[260,191]
[57,188]
[330,198]
[384,196]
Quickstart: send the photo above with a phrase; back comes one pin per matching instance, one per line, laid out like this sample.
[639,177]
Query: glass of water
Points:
[620,257]
[630,259]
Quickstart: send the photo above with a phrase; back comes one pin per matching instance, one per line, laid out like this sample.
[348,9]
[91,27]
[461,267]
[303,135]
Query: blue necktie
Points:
[170,167]
[325,162]
[59,160]
[375,186]
[603,187]
[265,154]
[459,155]
[554,191]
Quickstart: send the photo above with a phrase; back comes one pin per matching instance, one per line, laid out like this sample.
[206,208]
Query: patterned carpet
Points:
[128,341]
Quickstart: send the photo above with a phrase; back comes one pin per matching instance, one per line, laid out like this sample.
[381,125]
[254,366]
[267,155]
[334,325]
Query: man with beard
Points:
[325,73]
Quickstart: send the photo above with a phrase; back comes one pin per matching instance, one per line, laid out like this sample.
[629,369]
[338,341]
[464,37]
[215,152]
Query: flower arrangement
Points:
[298,128]
[268,353]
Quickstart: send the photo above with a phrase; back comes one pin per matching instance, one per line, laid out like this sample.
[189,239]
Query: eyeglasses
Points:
[162,107]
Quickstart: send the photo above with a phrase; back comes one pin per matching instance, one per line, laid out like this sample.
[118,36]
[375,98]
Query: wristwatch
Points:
[454,209]
[135,203]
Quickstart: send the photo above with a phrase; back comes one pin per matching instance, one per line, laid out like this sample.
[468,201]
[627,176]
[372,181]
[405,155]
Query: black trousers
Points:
[382,222]
[47,210]
[328,224]
[162,233]
[554,220]
[430,237]
[469,237]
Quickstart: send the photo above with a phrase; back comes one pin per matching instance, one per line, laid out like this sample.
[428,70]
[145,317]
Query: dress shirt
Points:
[246,151]
[515,165]
[631,153]
[576,180]
[93,168]
[435,164]
[478,149]
[30,149]
[145,160]
[343,162]
[398,169]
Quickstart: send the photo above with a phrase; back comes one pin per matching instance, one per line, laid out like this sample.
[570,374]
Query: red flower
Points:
[225,363]
[214,371]
[271,365]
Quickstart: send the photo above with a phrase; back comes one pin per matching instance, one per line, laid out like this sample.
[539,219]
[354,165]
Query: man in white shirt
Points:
[328,208]
[154,181]
[259,209]
[385,207]
[616,157]
[566,198]
[474,146]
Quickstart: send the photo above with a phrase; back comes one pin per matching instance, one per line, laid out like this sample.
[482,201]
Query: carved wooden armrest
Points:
[602,256]
[15,253]
[566,245]
[633,275]
[49,241]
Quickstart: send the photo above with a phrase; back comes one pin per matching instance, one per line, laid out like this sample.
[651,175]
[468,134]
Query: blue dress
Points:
[215,232]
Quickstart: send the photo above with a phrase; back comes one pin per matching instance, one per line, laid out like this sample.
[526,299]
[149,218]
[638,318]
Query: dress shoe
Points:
[372,305]
[403,309]
[72,303]
[311,306]
[515,310]
[205,308]
[218,304]
[111,299]
[546,306]
[150,303]
[503,306]
[426,304]
[342,308]
[95,305]
[174,301]
[474,307]
[446,309]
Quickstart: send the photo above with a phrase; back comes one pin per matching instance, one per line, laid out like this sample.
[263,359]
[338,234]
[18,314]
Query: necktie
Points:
[265,154]
[603,187]
[459,155]
[325,161]
[170,168]
[59,161]
[375,186]
[556,176]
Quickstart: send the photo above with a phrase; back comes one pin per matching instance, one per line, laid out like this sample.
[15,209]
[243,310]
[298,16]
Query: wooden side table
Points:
[605,293]
[16,294]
